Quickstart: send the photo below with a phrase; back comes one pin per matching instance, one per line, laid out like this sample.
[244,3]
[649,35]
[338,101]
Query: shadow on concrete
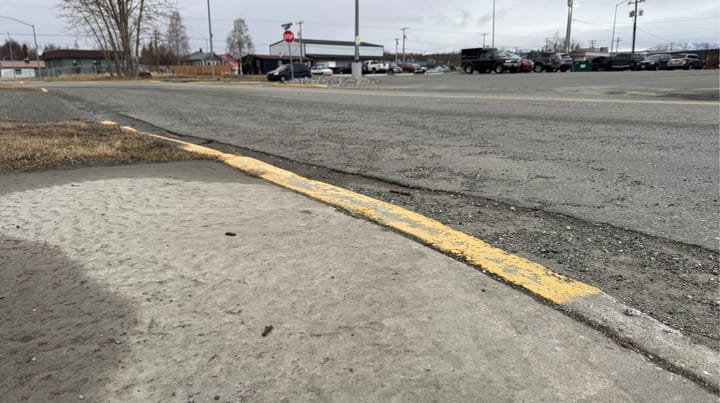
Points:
[61,332]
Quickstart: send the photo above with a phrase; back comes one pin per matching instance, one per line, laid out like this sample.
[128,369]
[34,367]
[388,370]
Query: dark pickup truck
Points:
[484,60]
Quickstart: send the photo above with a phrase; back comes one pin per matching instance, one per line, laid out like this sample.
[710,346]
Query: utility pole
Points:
[10,46]
[569,25]
[634,14]
[404,31]
[300,39]
[547,43]
[484,34]
[397,41]
[592,43]
[212,62]
[37,49]
[157,52]
[357,66]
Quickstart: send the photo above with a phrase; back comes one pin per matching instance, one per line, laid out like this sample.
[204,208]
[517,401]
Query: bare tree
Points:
[239,42]
[116,25]
[176,37]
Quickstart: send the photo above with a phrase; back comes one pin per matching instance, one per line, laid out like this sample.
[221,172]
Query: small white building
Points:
[20,69]
[322,51]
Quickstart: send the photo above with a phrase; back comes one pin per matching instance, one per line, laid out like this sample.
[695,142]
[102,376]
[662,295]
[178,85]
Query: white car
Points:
[321,70]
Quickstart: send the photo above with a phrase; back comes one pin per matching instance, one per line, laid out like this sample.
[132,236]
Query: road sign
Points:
[288,36]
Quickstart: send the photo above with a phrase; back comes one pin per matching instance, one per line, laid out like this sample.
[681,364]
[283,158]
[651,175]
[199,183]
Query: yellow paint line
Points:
[513,269]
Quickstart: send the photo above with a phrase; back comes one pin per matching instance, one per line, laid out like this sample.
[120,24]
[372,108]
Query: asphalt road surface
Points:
[610,178]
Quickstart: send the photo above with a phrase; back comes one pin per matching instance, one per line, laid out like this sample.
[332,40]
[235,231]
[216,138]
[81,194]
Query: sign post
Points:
[289,38]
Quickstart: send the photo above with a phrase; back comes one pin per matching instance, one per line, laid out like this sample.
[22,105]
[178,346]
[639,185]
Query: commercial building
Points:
[75,61]
[322,51]
[20,69]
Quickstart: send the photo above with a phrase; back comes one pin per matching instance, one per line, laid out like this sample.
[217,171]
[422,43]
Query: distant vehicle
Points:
[407,68]
[627,61]
[602,63]
[375,66]
[344,69]
[685,61]
[654,62]
[321,70]
[484,60]
[566,62]
[525,65]
[512,61]
[418,69]
[283,72]
[545,61]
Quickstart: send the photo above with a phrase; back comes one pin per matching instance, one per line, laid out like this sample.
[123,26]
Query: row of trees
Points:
[13,50]
[128,31]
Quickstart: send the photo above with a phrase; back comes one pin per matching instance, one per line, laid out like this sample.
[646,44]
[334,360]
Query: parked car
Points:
[566,62]
[654,62]
[601,63]
[545,61]
[418,69]
[283,72]
[321,70]
[484,60]
[512,61]
[685,61]
[525,65]
[407,68]
[627,61]
[344,69]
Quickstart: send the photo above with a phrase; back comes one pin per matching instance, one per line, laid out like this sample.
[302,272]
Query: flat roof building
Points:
[325,51]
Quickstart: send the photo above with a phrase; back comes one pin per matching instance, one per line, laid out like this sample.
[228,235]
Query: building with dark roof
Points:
[76,61]
[323,51]
[202,59]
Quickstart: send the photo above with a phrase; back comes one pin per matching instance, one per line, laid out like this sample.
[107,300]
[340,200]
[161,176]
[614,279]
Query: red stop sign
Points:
[288,36]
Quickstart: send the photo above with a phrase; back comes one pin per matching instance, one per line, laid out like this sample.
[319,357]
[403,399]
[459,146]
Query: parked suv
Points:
[627,61]
[566,62]
[545,61]
[686,61]
[283,72]
[484,60]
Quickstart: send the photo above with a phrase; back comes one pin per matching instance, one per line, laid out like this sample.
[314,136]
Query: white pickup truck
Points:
[375,66]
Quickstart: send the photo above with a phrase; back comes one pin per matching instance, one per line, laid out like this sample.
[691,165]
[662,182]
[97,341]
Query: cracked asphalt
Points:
[605,177]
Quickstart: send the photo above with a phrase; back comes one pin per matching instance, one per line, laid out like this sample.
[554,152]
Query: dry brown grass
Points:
[17,87]
[32,146]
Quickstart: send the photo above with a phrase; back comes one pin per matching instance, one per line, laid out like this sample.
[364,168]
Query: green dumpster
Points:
[584,65]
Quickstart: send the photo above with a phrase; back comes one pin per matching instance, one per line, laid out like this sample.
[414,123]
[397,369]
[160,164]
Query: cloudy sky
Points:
[433,25]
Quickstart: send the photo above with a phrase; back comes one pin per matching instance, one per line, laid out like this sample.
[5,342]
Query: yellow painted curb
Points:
[300,85]
[514,269]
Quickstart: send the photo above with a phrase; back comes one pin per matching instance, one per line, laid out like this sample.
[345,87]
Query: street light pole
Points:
[212,62]
[37,50]
[612,39]
[493,27]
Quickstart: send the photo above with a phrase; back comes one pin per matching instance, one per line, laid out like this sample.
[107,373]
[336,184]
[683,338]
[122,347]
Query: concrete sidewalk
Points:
[193,282]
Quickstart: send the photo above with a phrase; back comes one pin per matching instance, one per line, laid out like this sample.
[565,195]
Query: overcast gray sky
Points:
[433,25]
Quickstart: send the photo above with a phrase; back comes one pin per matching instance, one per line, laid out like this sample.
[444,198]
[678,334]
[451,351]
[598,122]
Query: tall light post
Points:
[612,39]
[212,62]
[356,66]
[493,27]
[37,50]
